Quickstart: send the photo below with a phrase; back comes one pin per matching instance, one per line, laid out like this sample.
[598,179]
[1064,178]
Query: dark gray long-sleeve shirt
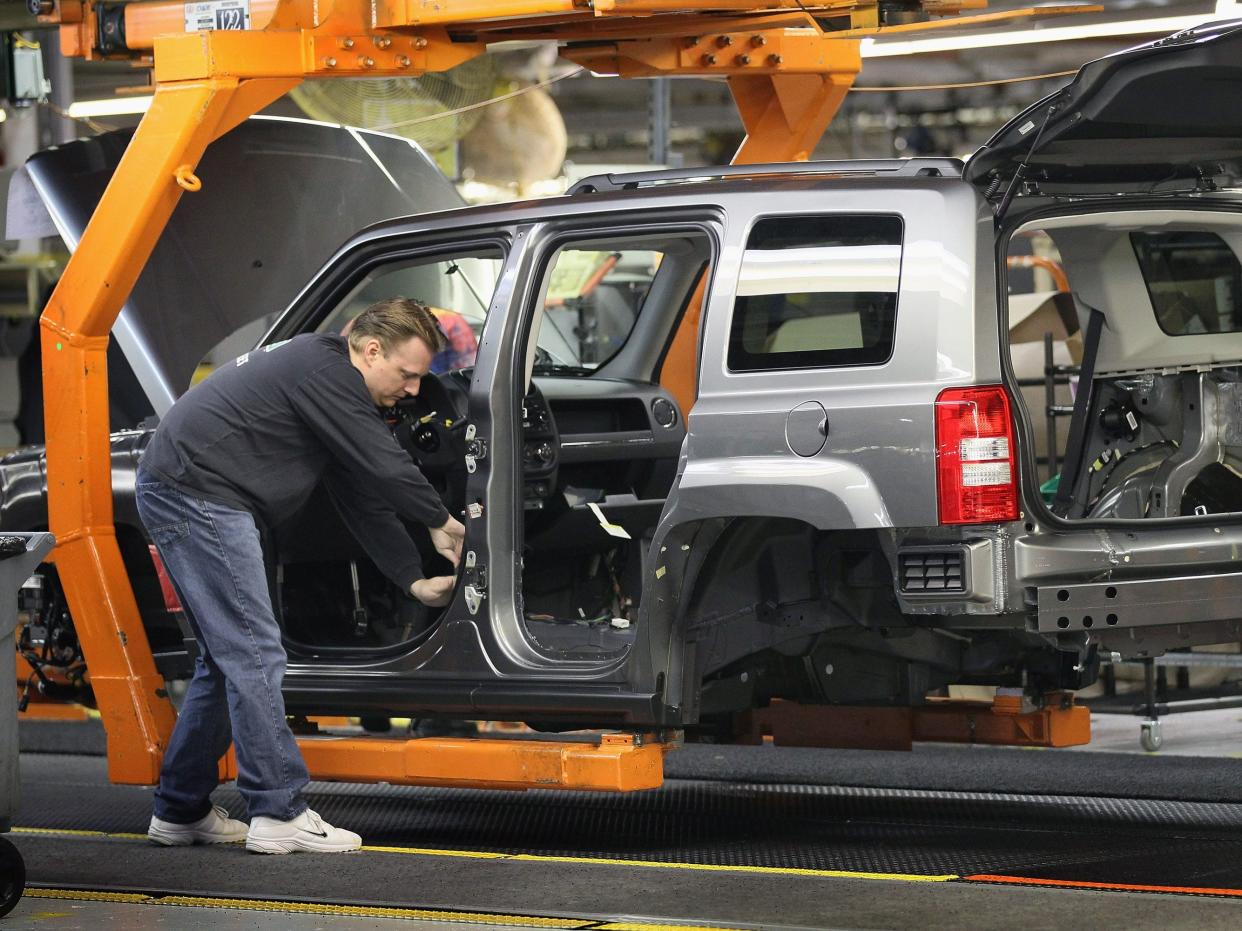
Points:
[260,433]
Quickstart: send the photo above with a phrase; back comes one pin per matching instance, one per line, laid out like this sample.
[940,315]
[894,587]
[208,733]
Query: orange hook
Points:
[188,179]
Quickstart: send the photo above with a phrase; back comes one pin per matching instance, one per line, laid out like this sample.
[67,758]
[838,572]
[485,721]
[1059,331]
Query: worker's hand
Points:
[436,592]
[448,539]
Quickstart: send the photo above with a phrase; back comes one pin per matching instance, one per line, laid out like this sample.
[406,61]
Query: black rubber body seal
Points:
[1077,439]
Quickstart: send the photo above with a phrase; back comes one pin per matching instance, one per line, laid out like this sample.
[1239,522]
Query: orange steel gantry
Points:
[786,69]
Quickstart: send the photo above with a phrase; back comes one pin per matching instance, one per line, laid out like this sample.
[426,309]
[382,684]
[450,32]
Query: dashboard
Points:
[609,435]
[601,419]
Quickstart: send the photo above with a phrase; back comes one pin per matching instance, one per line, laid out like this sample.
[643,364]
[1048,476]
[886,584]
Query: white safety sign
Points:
[217,14]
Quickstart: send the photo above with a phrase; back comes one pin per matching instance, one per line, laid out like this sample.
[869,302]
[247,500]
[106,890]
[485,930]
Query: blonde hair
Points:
[394,321]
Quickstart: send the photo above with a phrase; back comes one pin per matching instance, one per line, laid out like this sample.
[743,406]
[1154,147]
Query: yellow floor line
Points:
[590,861]
[366,911]
[72,833]
[85,895]
[731,868]
[437,852]
[669,865]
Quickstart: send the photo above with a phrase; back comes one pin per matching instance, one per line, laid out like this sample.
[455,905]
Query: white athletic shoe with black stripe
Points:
[216,827]
[307,833]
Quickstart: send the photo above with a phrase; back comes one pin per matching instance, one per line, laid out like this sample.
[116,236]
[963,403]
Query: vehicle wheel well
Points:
[755,559]
[782,561]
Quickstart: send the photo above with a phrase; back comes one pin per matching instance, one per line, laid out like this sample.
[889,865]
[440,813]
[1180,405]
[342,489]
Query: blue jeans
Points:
[214,559]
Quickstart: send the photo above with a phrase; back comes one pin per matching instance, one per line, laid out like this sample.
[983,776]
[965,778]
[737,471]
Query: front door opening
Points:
[330,596]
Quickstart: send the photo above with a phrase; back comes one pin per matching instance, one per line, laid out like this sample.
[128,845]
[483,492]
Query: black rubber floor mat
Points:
[780,827]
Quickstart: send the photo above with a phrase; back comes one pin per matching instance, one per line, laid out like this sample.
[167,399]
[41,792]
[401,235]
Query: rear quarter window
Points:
[817,291]
[1194,281]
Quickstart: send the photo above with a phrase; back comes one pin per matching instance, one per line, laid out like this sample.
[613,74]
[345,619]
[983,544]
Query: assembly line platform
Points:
[739,837]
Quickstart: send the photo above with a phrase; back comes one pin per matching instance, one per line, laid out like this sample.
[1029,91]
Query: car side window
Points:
[593,300]
[458,291]
[817,291]
[1194,280]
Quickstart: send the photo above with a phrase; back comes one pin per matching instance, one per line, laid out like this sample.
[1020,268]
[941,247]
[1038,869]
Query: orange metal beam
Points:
[1005,722]
[651,7]
[435,22]
[190,56]
[749,52]
[982,19]
[439,12]
[135,207]
[669,26]
[145,21]
[617,763]
[790,724]
[436,12]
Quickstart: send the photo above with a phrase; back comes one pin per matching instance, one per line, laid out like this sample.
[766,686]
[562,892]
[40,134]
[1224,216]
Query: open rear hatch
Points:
[1151,427]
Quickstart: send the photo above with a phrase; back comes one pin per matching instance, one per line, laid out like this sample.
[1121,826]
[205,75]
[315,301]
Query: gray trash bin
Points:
[19,554]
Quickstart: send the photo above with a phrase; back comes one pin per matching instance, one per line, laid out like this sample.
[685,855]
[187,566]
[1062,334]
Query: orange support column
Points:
[182,120]
[785,115]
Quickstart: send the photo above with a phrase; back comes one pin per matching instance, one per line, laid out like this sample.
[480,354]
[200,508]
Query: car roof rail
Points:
[898,167]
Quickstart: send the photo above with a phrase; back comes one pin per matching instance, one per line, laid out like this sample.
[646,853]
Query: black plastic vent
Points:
[931,571]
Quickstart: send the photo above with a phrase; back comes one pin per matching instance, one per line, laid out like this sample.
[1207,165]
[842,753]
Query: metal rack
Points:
[1159,699]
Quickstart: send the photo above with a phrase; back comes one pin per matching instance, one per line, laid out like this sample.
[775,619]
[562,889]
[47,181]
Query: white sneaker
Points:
[216,827]
[306,832]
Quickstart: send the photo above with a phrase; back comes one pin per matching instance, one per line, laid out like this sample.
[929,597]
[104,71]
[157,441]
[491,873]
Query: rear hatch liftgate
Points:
[1161,116]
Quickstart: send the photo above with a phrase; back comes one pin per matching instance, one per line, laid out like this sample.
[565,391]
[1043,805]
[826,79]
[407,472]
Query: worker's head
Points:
[392,344]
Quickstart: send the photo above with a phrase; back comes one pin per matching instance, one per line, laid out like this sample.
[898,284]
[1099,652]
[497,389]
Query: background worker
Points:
[461,345]
[252,442]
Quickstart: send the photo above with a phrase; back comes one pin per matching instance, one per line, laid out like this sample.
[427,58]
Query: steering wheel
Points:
[431,428]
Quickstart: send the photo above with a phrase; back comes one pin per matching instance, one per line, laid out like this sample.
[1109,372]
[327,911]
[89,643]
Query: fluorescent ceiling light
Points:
[114,106]
[880,48]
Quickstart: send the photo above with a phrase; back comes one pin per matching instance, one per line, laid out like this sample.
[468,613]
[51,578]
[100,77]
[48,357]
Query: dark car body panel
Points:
[1162,113]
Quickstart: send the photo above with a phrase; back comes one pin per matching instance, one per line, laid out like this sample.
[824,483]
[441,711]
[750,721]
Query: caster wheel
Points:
[1149,736]
[12,876]
[375,725]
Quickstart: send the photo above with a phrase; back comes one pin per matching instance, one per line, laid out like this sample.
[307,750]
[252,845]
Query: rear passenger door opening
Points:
[1151,427]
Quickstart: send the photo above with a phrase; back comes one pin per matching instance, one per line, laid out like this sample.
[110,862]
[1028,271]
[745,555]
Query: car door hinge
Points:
[474,574]
[476,449]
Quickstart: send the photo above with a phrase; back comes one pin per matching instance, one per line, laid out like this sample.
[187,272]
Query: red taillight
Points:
[171,601]
[976,468]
